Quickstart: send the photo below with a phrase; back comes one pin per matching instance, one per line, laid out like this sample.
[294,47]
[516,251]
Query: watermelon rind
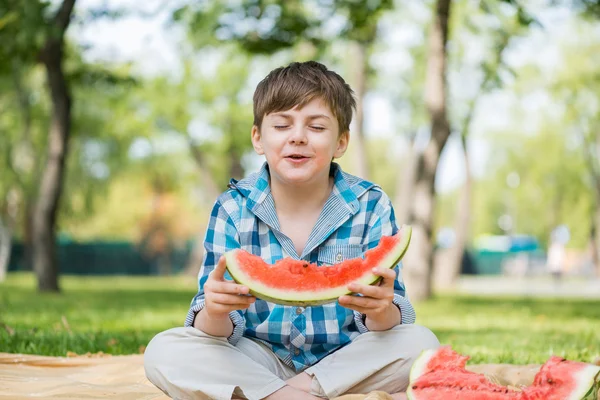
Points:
[418,369]
[420,364]
[314,298]
[587,384]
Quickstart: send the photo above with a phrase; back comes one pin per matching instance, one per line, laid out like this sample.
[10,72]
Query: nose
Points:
[297,135]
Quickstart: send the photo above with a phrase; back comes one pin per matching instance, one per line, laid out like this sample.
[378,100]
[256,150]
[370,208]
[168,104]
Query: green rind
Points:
[417,370]
[591,386]
[420,364]
[334,293]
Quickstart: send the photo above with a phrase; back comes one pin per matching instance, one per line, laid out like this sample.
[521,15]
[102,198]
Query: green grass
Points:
[118,315]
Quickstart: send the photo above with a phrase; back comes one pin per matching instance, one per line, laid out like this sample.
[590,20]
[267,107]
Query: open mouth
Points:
[296,157]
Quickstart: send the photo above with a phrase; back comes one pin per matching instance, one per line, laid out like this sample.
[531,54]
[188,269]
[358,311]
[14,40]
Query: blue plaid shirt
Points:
[354,217]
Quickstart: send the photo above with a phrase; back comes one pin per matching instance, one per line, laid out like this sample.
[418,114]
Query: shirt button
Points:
[297,351]
[339,257]
[299,310]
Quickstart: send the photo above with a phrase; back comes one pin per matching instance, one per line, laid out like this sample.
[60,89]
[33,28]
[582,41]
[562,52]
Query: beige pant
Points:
[187,363]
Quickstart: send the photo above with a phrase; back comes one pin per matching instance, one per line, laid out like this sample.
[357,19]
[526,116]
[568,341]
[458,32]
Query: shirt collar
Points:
[340,206]
[346,187]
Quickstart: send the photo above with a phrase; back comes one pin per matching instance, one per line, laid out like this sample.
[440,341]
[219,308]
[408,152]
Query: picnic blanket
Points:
[101,376]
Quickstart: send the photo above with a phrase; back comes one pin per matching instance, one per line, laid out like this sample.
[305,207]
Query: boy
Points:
[301,205]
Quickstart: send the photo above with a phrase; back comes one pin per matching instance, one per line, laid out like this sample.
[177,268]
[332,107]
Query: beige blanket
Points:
[102,376]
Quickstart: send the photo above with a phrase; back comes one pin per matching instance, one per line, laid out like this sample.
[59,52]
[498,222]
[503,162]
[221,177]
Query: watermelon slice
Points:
[440,374]
[300,283]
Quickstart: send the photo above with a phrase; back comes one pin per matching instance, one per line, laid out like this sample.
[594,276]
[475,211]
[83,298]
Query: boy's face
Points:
[299,144]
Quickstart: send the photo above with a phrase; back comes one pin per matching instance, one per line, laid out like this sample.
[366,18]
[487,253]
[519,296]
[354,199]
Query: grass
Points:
[119,315]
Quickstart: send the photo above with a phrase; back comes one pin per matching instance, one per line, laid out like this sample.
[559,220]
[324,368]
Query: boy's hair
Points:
[300,83]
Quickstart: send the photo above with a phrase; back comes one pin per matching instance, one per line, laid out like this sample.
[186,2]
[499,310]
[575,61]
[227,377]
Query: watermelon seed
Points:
[305,265]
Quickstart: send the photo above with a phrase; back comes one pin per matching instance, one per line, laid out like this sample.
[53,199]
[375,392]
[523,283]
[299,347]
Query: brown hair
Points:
[300,83]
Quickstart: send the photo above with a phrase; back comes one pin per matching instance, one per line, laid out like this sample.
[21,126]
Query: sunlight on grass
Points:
[119,315]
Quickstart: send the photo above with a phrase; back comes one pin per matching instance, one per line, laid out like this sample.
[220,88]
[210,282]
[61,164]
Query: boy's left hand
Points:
[376,301]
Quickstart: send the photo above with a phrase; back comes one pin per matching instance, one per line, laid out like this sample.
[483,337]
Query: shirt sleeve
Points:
[221,236]
[385,225]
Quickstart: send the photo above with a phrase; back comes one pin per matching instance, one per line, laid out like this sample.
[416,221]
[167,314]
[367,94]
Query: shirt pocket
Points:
[335,254]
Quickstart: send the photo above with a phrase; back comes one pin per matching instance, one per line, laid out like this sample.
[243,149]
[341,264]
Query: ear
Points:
[255,136]
[342,144]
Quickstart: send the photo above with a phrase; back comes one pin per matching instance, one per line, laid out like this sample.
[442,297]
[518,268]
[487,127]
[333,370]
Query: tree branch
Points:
[211,185]
[63,16]
[594,170]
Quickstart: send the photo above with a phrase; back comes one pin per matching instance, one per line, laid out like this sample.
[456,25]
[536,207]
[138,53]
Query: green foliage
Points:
[258,26]
[361,18]
[269,26]
[117,315]
[552,190]
[216,98]
[22,32]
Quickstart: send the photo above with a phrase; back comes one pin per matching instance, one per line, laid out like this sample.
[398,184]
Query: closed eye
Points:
[318,128]
[280,126]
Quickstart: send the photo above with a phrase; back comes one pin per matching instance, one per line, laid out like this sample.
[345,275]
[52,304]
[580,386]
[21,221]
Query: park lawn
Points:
[119,315]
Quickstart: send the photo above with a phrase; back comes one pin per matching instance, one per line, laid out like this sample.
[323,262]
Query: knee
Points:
[427,339]
[158,352]
[420,338]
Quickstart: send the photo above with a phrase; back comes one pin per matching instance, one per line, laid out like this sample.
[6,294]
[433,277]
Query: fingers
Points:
[224,309]
[224,297]
[226,288]
[385,289]
[361,310]
[374,298]
[362,302]
[388,275]
[218,274]
[376,292]
[233,300]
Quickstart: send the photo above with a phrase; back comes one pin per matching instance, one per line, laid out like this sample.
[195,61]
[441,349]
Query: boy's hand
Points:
[376,301]
[221,296]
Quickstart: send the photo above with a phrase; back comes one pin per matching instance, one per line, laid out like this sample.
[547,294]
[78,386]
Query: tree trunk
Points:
[237,170]
[28,208]
[45,262]
[419,259]
[6,231]
[360,145]
[5,248]
[449,274]
[211,193]
[210,186]
[594,242]
[404,184]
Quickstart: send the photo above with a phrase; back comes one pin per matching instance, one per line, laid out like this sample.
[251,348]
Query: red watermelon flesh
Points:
[297,282]
[441,374]
[560,379]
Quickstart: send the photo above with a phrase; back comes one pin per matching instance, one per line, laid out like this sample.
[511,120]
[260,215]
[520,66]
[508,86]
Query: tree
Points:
[419,259]
[503,29]
[51,56]
[361,29]
[22,33]
[577,85]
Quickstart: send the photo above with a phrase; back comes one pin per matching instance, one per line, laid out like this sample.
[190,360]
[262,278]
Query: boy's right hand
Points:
[222,296]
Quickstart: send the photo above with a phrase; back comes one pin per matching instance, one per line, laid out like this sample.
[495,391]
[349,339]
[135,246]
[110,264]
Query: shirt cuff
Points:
[237,320]
[406,309]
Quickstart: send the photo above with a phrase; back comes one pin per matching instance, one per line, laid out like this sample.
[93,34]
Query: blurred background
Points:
[122,121]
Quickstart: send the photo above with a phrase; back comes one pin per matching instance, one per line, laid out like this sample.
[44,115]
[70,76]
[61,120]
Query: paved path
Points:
[587,288]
